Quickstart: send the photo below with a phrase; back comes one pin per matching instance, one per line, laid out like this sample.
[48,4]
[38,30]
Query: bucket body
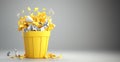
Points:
[36,43]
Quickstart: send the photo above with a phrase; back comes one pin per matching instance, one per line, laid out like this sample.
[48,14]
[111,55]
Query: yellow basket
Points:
[36,43]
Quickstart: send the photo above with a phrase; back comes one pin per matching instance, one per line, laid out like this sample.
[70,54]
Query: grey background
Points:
[80,24]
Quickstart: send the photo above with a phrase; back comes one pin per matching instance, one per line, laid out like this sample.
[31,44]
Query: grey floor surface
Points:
[69,56]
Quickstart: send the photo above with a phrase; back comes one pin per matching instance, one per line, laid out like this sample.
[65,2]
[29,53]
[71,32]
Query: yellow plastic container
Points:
[36,43]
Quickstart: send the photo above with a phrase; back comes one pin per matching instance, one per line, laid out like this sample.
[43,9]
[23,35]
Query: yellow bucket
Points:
[36,43]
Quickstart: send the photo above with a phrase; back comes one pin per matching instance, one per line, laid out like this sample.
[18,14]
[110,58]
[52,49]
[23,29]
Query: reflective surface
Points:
[69,56]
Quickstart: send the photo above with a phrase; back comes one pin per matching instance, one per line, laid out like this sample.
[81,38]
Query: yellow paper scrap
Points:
[28,8]
[36,9]
[44,9]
